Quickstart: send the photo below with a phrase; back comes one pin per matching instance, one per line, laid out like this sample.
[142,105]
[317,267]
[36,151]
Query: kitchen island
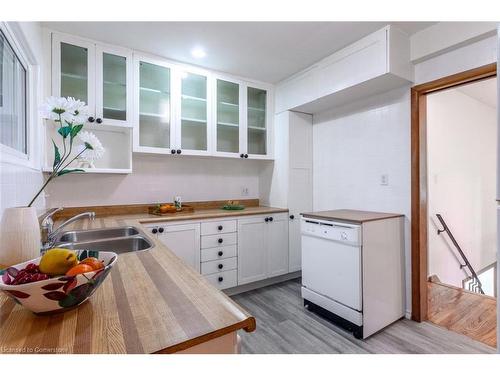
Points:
[151,302]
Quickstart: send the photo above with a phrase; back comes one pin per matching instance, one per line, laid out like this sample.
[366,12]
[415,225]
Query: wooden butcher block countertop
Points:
[350,216]
[151,302]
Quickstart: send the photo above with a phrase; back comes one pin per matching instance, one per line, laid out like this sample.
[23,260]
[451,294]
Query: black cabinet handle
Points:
[179,151]
[220,253]
[172,152]
[220,240]
[221,279]
[160,230]
[292,217]
[220,266]
[266,219]
[220,227]
[246,156]
[91,119]
[270,219]
[154,231]
[242,155]
[98,120]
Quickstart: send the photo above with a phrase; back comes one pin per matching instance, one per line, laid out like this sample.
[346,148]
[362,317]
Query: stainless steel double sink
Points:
[119,240]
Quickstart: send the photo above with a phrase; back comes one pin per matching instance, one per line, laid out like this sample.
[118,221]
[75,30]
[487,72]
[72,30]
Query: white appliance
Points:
[342,278]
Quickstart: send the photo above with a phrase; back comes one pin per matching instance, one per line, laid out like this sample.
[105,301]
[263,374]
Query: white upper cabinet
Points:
[230,123]
[194,120]
[114,84]
[376,63]
[153,131]
[97,74]
[172,108]
[73,69]
[243,127]
[258,130]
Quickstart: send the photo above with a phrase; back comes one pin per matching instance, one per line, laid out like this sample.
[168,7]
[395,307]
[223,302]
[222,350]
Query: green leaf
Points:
[75,130]
[66,171]
[89,146]
[57,155]
[64,131]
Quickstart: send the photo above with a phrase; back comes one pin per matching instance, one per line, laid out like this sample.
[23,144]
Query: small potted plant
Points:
[19,228]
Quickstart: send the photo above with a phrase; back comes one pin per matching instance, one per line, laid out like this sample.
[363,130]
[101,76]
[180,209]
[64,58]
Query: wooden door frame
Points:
[419,178]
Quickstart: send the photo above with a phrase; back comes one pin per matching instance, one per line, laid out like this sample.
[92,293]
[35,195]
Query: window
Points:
[13,77]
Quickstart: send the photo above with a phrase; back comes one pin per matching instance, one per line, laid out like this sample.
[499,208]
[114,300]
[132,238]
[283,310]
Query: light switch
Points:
[384,180]
[244,191]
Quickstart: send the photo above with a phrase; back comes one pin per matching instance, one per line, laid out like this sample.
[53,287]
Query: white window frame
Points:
[21,48]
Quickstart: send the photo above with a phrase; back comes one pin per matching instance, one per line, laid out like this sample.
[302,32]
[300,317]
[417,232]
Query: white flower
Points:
[95,151]
[79,110]
[70,109]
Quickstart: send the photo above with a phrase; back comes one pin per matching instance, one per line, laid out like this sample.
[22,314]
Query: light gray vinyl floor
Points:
[285,326]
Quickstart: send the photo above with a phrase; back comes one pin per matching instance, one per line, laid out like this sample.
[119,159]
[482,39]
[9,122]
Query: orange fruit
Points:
[95,263]
[78,269]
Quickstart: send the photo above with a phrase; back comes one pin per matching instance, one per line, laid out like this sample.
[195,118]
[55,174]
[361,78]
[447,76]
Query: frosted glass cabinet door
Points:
[154,106]
[73,69]
[228,117]
[114,87]
[114,83]
[256,121]
[194,115]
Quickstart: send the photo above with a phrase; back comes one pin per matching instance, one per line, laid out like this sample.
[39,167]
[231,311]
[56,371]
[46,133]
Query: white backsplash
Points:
[158,179]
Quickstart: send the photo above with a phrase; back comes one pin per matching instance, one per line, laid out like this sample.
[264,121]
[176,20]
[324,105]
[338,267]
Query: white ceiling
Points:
[484,91]
[265,51]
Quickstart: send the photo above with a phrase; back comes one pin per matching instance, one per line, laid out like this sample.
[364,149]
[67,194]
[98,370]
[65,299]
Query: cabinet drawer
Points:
[214,227]
[215,253]
[217,240]
[217,266]
[223,280]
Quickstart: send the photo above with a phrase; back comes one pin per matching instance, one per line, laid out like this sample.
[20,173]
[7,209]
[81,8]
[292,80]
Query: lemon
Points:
[57,261]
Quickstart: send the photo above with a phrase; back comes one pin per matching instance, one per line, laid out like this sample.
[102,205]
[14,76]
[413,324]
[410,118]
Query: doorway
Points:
[438,189]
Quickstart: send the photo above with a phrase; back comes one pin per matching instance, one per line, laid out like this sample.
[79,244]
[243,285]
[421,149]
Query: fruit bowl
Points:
[58,293]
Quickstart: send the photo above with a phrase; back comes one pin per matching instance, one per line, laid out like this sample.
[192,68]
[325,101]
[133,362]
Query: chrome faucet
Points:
[47,231]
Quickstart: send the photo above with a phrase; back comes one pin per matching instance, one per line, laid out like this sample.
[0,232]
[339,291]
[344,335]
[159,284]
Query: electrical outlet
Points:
[384,180]
[244,191]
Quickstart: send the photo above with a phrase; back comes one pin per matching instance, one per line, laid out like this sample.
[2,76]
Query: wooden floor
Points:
[285,326]
[464,312]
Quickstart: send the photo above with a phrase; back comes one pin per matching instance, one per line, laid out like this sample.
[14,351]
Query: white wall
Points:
[18,184]
[157,178]
[461,154]
[353,147]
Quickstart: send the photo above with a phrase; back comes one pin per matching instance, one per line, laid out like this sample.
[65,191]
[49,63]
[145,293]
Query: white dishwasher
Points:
[332,269]
[352,268]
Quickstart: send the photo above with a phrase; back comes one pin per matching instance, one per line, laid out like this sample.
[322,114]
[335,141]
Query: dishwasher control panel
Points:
[332,230]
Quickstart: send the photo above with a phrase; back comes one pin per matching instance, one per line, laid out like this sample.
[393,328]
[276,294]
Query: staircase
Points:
[462,311]
[474,283]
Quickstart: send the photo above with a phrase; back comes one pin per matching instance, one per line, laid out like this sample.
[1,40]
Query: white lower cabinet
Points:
[184,241]
[232,252]
[262,247]
[252,250]
[277,246]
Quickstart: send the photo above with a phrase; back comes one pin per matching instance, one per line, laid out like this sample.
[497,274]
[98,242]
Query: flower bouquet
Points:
[70,114]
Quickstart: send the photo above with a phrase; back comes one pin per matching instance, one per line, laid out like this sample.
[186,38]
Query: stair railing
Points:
[476,285]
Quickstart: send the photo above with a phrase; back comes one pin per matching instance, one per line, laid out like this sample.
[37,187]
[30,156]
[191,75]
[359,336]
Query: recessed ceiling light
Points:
[198,52]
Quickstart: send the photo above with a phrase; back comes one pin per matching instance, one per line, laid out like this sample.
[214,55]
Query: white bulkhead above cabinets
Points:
[377,63]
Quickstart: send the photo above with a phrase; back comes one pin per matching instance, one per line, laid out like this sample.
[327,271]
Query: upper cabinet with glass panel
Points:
[228,117]
[256,121]
[100,76]
[193,132]
[73,69]
[114,85]
[153,132]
